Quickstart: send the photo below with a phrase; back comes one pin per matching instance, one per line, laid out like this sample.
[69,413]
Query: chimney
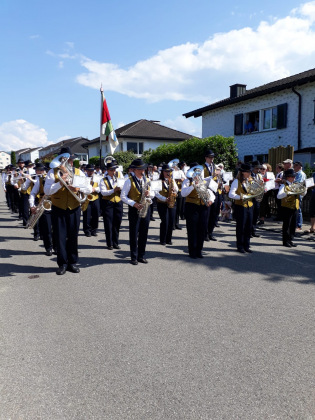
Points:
[237,90]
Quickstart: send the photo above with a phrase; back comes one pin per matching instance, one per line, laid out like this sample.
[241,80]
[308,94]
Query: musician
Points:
[214,210]
[91,207]
[152,177]
[6,182]
[209,166]
[256,175]
[43,227]
[243,209]
[196,214]
[180,201]
[132,192]
[66,213]
[112,206]
[290,204]
[166,200]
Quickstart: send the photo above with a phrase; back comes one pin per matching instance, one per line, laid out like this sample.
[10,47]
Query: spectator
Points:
[248,128]
[312,209]
[300,177]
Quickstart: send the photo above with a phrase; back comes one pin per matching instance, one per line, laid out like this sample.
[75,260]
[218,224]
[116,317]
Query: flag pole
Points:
[101,90]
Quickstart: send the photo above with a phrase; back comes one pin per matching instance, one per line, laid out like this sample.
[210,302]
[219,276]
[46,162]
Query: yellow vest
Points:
[215,178]
[193,197]
[115,197]
[63,199]
[134,194]
[240,190]
[164,192]
[290,201]
[206,171]
[29,189]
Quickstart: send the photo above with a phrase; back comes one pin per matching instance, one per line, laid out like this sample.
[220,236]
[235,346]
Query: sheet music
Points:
[270,175]
[120,182]
[227,176]
[309,182]
[156,185]
[270,185]
[213,185]
[81,181]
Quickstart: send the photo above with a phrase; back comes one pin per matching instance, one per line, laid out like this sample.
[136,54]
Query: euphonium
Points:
[199,184]
[144,201]
[61,162]
[44,204]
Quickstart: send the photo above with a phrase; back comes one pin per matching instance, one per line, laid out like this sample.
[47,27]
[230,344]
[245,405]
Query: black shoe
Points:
[94,234]
[216,225]
[249,251]
[287,245]
[207,239]
[178,227]
[142,260]
[36,238]
[260,222]
[88,234]
[193,257]
[116,247]
[255,235]
[212,238]
[293,245]
[110,248]
[163,243]
[152,219]
[200,256]
[169,243]
[49,252]
[73,268]
[241,250]
[134,262]
[61,270]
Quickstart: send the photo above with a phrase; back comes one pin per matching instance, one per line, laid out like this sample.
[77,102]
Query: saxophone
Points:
[171,194]
[44,204]
[144,201]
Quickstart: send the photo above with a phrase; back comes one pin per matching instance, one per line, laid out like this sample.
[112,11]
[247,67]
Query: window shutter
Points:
[282,115]
[238,124]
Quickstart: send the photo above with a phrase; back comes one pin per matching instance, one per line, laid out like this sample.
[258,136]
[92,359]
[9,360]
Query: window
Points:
[270,118]
[136,147]
[251,122]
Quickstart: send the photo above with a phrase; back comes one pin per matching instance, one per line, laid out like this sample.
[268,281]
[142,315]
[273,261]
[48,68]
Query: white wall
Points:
[221,121]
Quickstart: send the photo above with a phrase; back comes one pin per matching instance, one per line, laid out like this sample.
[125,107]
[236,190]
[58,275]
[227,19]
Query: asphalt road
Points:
[227,337]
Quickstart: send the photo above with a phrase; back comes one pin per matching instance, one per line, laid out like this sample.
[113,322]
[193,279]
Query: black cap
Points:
[245,167]
[289,172]
[256,164]
[138,164]
[65,149]
[39,166]
[209,153]
[89,167]
[111,165]
[181,163]
[298,163]
[166,167]
[20,160]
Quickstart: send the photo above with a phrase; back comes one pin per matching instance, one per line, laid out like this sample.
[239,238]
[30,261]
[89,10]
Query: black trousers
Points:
[179,208]
[288,224]
[8,196]
[167,217]
[66,224]
[213,214]
[196,223]
[46,229]
[91,216]
[256,211]
[16,201]
[112,217]
[138,233]
[244,223]
[24,208]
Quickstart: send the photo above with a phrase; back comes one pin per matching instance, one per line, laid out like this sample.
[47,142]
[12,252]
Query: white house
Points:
[30,154]
[5,159]
[139,136]
[280,113]
[75,145]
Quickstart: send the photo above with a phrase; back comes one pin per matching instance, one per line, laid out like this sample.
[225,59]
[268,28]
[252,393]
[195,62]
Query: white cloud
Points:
[34,36]
[198,72]
[19,134]
[188,126]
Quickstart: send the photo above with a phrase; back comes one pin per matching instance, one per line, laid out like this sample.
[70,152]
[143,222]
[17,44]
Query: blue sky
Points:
[156,60]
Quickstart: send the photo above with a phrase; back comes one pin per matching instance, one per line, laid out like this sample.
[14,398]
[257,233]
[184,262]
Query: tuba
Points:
[44,204]
[199,184]
[61,162]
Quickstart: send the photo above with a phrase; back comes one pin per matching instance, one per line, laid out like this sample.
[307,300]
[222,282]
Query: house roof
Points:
[148,130]
[75,145]
[286,83]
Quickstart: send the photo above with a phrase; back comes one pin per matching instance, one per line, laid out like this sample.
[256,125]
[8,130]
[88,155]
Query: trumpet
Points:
[61,163]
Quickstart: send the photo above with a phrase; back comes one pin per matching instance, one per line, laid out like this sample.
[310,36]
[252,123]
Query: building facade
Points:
[5,159]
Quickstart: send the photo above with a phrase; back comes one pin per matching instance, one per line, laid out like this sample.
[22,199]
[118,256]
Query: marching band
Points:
[51,202]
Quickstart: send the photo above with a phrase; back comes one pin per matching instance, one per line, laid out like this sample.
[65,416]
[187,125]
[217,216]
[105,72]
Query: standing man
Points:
[256,167]
[91,207]
[299,177]
[112,206]
[133,191]
[66,213]
[180,201]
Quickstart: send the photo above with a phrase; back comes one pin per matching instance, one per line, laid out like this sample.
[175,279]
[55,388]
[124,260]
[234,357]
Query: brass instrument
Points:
[199,184]
[255,189]
[296,188]
[171,193]
[44,204]
[108,159]
[144,201]
[61,162]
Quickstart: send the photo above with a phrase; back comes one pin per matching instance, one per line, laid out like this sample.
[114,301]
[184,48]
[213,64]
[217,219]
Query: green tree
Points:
[13,158]
[124,158]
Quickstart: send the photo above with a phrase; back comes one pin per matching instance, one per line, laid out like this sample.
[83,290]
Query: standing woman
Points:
[166,200]
[196,214]
[243,210]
